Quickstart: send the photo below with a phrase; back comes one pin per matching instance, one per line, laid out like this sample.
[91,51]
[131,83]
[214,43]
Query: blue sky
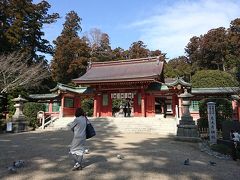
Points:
[161,24]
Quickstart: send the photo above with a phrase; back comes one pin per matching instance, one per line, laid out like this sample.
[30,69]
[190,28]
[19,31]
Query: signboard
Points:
[9,126]
[212,122]
[122,95]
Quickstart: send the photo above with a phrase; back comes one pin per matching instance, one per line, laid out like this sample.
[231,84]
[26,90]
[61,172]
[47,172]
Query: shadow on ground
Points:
[145,156]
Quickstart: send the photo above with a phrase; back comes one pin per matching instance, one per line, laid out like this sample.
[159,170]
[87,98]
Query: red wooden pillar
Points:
[62,107]
[143,103]
[50,106]
[137,105]
[235,106]
[174,103]
[150,105]
[97,105]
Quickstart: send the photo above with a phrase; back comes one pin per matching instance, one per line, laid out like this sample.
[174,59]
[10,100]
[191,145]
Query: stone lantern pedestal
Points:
[19,123]
[186,129]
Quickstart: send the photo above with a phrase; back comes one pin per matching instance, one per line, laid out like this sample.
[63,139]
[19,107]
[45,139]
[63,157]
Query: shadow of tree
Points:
[145,156]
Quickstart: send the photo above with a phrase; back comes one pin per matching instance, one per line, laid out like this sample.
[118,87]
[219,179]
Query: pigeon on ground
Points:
[186,162]
[12,169]
[86,151]
[212,163]
[120,156]
[18,164]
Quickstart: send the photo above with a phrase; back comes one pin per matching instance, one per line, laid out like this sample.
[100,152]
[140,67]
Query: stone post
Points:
[18,120]
[212,122]
[186,129]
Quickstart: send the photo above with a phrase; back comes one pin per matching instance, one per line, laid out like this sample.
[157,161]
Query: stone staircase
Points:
[162,126]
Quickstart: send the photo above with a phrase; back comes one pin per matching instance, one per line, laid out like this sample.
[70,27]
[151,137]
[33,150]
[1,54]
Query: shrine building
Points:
[140,81]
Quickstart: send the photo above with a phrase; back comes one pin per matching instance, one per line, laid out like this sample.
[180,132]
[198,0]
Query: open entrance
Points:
[160,106]
[122,104]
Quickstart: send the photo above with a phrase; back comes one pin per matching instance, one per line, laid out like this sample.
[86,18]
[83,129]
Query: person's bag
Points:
[90,131]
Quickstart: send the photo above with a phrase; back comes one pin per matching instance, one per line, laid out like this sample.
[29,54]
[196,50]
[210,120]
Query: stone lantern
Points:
[18,120]
[186,129]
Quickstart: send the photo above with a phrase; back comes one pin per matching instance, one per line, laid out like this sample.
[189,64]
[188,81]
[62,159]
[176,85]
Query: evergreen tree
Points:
[119,54]
[178,67]
[138,50]
[21,23]
[71,52]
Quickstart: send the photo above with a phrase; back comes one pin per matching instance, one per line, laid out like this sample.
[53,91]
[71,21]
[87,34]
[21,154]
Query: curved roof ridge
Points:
[126,61]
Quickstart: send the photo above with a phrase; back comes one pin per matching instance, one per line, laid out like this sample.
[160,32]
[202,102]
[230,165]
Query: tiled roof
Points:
[156,86]
[64,87]
[123,70]
[216,90]
[43,96]
[176,81]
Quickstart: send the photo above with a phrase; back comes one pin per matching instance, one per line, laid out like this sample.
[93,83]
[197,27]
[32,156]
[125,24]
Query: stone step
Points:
[163,127]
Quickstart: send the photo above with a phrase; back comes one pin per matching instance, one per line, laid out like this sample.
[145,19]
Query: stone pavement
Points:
[146,156]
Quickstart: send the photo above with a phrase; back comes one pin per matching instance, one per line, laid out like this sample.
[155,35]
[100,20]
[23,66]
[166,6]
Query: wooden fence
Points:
[204,133]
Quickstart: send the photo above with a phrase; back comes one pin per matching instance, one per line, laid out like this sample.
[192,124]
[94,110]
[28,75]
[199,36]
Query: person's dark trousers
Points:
[125,112]
[129,112]
[234,151]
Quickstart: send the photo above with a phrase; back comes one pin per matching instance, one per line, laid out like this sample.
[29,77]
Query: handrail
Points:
[52,119]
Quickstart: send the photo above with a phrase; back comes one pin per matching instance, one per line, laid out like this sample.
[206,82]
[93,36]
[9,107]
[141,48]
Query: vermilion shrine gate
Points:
[140,80]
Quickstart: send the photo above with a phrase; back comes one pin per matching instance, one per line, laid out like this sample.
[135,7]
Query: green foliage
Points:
[178,67]
[225,149]
[2,124]
[87,106]
[116,103]
[221,148]
[217,49]
[223,109]
[30,110]
[212,78]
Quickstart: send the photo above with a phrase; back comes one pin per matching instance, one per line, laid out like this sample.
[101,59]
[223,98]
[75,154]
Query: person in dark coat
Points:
[128,105]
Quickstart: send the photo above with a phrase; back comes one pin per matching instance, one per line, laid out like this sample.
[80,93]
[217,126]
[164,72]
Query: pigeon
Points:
[18,164]
[212,163]
[86,151]
[12,169]
[186,162]
[120,156]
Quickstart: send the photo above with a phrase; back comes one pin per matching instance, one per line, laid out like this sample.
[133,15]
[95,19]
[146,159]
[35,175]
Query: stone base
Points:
[189,131]
[19,126]
[188,139]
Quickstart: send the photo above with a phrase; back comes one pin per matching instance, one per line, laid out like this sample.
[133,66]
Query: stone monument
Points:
[19,123]
[186,129]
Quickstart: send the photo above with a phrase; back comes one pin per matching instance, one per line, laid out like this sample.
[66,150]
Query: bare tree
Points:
[15,72]
[94,38]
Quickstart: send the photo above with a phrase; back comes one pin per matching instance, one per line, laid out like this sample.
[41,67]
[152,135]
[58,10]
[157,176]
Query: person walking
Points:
[78,126]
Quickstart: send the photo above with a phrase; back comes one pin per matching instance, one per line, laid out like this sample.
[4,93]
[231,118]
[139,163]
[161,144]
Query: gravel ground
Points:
[146,156]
